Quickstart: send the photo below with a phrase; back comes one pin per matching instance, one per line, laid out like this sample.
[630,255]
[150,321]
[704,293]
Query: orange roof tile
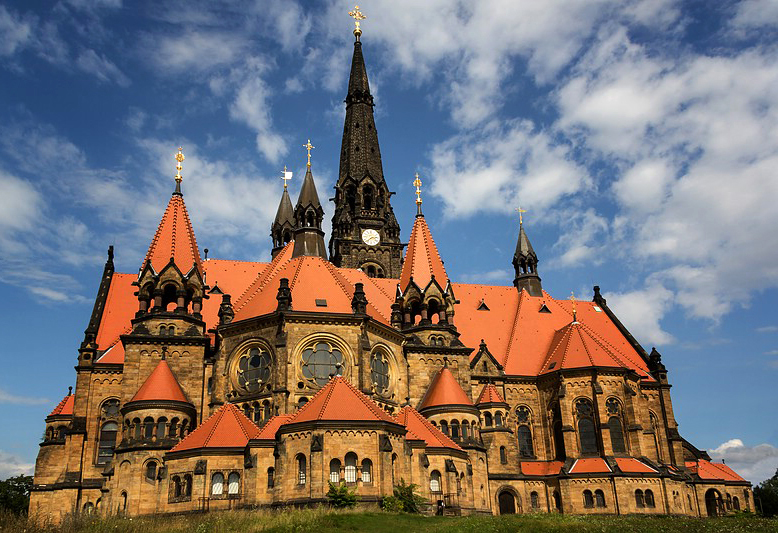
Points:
[444,390]
[590,466]
[422,260]
[421,429]
[630,465]
[174,238]
[120,307]
[65,407]
[339,400]
[709,470]
[541,468]
[269,430]
[490,394]
[226,428]
[160,385]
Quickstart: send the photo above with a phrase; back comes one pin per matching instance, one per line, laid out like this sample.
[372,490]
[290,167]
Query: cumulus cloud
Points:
[752,14]
[642,310]
[754,463]
[12,465]
[16,31]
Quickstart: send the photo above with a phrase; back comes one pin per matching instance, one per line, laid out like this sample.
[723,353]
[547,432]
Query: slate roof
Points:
[160,385]
[444,390]
[228,427]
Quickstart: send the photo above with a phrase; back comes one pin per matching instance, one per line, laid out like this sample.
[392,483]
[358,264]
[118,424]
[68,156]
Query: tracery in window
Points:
[110,408]
[320,362]
[254,369]
[522,414]
[586,429]
[379,372]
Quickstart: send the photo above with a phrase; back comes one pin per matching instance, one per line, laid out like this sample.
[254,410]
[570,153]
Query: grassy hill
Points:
[327,521]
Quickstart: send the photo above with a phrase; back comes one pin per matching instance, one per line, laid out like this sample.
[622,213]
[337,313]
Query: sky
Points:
[641,136]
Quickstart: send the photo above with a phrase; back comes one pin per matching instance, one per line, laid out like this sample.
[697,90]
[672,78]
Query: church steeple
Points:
[308,215]
[525,263]
[282,229]
[365,232]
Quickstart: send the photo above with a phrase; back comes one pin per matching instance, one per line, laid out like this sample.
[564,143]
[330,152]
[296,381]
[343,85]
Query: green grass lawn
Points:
[327,521]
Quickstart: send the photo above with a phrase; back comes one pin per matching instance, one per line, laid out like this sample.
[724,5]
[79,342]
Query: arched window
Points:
[187,488]
[335,471]
[184,429]
[488,419]
[176,481]
[736,503]
[455,429]
[599,498]
[256,413]
[110,408]
[161,427]
[301,469]
[271,474]
[649,498]
[379,371]
[367,471]
[588,499]
[465,430]
[435,482]
[534,501]
[640,502]
[367,197]
[148,427]
[655,427]
[461,487]
[588,437]
[254,369]
[498,419]
[233,484]
[217,484]
[321,361]
[171,432]
[351,467]
[444,427]
[138,429]
[266,411]
[503,455]
[524,437]
[107,442]
[123,502]
[617,435]
[151,470]
[394,468]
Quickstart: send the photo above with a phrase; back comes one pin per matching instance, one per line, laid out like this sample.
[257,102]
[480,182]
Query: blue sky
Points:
[642,137]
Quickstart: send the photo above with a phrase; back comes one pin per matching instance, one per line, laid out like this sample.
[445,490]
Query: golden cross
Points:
[521,212]
[357,15]
[286,176]
[180,159]
[573,300]
[417,184]
[308,146]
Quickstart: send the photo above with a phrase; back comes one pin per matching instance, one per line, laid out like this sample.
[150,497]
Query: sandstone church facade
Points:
[207,384]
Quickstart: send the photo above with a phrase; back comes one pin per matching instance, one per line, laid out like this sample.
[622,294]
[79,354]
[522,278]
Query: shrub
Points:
[340,496]
[405,498]
[15,494]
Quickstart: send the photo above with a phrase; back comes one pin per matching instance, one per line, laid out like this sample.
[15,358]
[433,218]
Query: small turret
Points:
[308,215]
[525,263]
[282,229]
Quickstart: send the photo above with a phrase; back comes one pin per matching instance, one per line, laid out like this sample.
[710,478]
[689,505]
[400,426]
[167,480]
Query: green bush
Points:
[340,496]
[404,499]
[15,494]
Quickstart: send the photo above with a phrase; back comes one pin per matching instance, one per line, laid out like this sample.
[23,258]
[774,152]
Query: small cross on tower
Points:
[417,184]
[308,146]
[179,167]
[573,300]
[521,211]
[357,15]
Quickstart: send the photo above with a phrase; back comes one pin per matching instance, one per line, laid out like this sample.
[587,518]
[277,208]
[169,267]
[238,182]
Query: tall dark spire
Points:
[365,233]
[308,215]
[525,264]
[282,229]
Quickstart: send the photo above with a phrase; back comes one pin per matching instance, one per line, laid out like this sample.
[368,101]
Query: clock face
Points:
[371,237]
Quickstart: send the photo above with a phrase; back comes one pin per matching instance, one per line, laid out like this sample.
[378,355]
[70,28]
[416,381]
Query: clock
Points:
[371,237]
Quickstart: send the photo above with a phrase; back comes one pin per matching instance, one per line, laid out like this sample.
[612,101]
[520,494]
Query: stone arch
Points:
[508,500]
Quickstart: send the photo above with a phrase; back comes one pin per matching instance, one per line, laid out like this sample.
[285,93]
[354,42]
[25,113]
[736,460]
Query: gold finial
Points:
[521,211]
[417,184]
[286,176]
[357,15]
[573,300]
[308,146]
[178,177]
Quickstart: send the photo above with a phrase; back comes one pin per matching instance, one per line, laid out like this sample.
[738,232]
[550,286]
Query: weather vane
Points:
[179,159]
[521,211]
[573,300]
[417,184]
[308,146]
[286,176]
[357,15]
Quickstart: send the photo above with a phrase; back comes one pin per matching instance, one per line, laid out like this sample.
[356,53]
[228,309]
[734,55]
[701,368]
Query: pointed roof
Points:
[339,400]
[226,428]
[490,394]
[269,430]
[422,260]
[285,213]
[358,83]
[444,390]
[175,239]
[421,429]
[64,407]
[308,195]
[523,246]
[160,385]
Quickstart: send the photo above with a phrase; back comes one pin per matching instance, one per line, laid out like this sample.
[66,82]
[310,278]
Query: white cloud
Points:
[20,203]
[752,14]
[101,67]
[7,397]
[12,465]
[767,329]
[193,52]
[500,276]
[16,32]
[585,238]
[642,310]
[754,463]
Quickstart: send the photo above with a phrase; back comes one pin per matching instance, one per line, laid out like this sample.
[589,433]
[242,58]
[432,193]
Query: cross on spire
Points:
[573,300]
[286,176]
[521,211]
[417,184]
[179,167]
[357,15]
[308,146]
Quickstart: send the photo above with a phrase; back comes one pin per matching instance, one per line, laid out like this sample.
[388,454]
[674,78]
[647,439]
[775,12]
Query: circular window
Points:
[111,408]
[254,369]
[322,361]
[379,372]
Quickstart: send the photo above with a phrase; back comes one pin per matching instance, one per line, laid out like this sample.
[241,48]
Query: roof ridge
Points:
[342,281]
[367,401]
[297,270]
[261,279]
[617,353]
[513,329]
[309,402]
[220,414]
[239,420]
[580,331]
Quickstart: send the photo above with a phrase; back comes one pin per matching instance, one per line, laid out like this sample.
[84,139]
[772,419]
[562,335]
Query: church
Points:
[209,384]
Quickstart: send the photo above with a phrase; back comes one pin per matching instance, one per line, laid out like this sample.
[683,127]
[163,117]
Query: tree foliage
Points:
[766,496]
[404,498]
[340,496]
[15,494]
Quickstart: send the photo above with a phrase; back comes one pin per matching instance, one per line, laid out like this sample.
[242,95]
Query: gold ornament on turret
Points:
[308,146]
[179,159]
[417,184]
[573,300]
[521,211]
[357,15]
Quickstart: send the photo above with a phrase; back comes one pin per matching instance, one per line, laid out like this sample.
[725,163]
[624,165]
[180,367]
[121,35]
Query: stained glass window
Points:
[254,369]
[320,362]
[379,372]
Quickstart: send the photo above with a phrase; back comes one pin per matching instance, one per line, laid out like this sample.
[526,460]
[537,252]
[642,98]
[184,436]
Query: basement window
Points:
[321,302]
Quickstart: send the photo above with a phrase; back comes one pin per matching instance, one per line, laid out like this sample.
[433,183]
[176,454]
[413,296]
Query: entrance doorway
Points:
[507,502]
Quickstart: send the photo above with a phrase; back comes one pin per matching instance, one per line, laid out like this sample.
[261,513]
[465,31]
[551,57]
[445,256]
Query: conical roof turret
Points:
[282,229]
[308,215]
[525,264]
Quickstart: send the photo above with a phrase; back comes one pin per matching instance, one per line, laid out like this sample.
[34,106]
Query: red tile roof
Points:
[160,385]
[422,260]
[269,430]
[226,428]
[65,407]
[490,394]
[630,465]
[339,400]
[541,468]
[713,471]
[420,428]
[174,238]
[590,466]
[444,390]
